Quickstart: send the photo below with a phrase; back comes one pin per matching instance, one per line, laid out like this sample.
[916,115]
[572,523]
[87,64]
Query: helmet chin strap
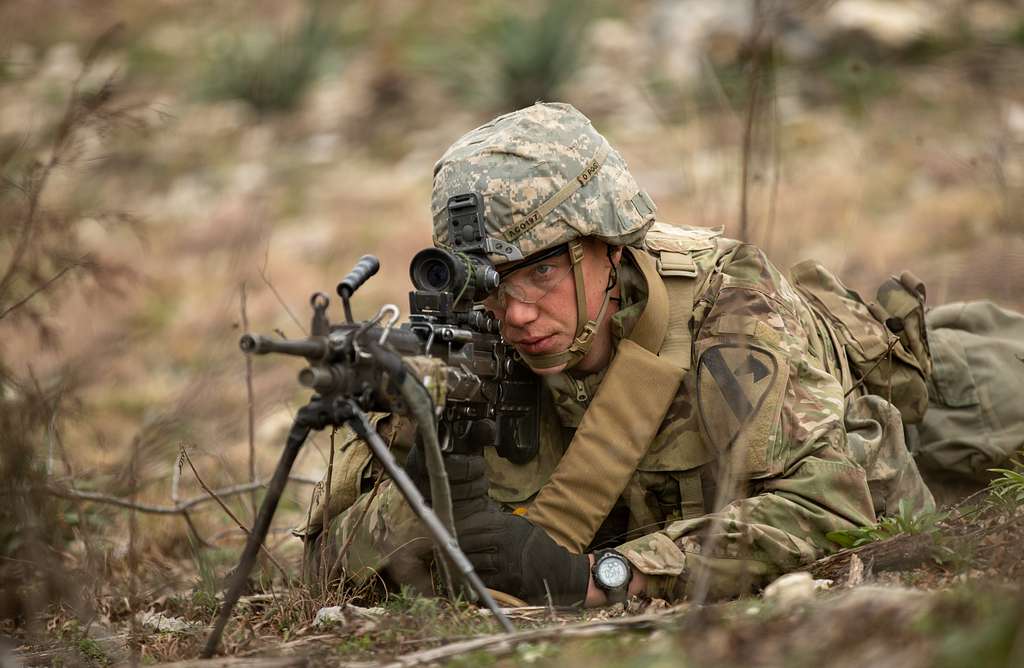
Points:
[585,329]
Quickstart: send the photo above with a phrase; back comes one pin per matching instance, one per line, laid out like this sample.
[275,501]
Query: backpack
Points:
[975,418]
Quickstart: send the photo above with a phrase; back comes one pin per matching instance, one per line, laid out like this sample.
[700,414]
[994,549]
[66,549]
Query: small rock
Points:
[823,585]
[161,623]
[790,589]
[344,614]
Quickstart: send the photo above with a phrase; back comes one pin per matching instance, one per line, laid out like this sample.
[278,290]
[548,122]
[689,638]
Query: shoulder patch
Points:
[739,396]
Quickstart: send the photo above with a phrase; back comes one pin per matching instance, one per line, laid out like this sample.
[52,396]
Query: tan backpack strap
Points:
[617,429]
[613,437]
[652,327]
[671,282]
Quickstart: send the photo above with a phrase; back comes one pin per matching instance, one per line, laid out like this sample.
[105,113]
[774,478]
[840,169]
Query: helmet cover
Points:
[546,177]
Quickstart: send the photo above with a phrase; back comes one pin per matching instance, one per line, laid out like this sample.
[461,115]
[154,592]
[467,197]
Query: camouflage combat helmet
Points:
[547,178]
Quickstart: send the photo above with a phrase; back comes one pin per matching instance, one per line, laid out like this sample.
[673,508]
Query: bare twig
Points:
[175,480]
[309,516]
[177,509]
[776,132]
[325,573]
[280,300]
[224,507]
[251,406]
[717,88]
[202,542]
[76,114]
[498,644]
[753,107]
[133,564]
[41,288]
[83,522]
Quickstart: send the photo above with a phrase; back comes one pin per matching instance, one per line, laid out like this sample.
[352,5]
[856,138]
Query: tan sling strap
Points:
[617,428]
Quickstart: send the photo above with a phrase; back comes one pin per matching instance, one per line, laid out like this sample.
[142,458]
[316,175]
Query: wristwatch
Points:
[612,573]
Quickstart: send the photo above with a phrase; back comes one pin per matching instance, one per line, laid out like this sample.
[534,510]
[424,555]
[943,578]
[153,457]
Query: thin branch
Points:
[325,572]
[224,507]
[177,509]
[24,300]
[753,107]
[280,300]
[66,129]
[195,531]
[776,131]
[504,643]
[135,641]
[251,405]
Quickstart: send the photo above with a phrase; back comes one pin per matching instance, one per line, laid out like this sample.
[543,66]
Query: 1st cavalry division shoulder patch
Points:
[739,394]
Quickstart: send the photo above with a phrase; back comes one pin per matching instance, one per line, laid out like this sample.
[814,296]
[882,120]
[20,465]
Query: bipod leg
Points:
[360,424]
[296,437]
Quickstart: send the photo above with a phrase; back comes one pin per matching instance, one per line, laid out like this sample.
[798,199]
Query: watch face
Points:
[613,572]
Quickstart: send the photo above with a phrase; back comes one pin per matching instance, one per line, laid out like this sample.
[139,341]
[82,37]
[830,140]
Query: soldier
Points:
[707,421]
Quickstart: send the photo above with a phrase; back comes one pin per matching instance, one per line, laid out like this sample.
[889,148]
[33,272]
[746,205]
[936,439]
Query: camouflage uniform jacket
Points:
[751,467]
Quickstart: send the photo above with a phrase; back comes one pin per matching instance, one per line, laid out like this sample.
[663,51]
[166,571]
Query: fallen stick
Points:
[504,643]
[896,553]
[177,509]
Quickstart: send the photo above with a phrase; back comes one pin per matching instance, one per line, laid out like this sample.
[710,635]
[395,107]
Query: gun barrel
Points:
[314,349]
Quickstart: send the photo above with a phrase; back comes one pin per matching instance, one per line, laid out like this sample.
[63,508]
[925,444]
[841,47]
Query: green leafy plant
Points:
[535,55]
[904,522]
[1006,492]
[270,75]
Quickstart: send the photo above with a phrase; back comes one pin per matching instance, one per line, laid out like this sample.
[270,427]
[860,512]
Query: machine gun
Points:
[489,397]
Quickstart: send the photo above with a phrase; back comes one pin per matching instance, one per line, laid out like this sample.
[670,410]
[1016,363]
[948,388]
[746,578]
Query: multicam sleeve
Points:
[775,418]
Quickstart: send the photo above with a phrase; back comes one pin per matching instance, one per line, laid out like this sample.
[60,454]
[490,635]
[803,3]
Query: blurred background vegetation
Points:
[157,157]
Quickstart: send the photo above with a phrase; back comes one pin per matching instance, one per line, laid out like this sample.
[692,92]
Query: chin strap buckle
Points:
[582,342]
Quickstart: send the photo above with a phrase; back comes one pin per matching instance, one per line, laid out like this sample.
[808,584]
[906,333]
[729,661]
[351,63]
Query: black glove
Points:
[467,478]
[513,555]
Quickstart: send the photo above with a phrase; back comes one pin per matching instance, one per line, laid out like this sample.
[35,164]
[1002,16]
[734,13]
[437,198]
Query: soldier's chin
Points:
[549,371]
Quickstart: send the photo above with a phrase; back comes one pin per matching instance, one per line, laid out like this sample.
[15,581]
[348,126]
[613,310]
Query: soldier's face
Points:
[549,324]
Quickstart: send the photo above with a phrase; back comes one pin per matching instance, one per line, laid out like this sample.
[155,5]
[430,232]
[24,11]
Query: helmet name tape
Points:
[588,173]
[567,191]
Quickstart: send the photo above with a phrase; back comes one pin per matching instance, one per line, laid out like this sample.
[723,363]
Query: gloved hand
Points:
[513,555]
[467,478]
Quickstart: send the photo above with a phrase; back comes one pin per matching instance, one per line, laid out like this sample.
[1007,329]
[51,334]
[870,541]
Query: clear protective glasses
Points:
[533,281]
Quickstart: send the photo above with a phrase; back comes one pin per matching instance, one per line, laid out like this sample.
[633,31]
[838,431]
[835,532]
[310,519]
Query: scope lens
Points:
[436,274]
[434,270]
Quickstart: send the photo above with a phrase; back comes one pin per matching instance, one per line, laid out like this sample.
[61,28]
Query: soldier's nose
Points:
[518,314]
